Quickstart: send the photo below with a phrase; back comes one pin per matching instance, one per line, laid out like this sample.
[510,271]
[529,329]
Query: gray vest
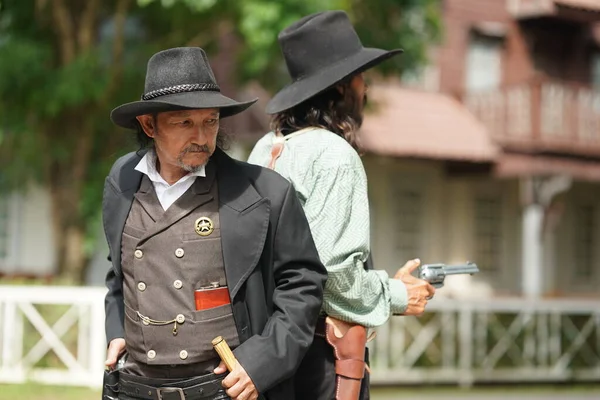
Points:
[166,256]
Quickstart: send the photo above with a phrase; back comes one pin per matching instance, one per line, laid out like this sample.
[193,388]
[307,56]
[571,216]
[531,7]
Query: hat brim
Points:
[305,88]
[125,115]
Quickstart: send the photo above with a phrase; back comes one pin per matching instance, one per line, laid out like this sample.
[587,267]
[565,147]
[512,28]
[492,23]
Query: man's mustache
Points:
[195,148]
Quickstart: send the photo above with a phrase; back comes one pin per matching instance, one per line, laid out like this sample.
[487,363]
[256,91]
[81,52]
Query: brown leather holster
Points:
[348,342]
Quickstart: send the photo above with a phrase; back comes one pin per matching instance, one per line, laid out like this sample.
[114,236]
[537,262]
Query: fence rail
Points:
[491,340]
[27,336]
[455,342]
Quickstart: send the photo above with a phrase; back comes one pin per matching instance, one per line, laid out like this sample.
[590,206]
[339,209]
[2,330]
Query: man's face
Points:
[359,89]
[185,138]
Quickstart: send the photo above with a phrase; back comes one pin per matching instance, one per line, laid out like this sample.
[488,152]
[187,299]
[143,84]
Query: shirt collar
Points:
[147,166]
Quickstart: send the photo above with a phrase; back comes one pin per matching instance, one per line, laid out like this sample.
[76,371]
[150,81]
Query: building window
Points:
[585,237]
[488,233]
[484,66]
[4,228]
[409,230]
[596,70]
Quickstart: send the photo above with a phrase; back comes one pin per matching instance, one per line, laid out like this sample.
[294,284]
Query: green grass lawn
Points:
[34,391]
[43,392]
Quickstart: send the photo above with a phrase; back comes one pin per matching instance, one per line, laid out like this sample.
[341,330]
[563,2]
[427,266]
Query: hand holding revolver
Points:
[419,291]
[115,349]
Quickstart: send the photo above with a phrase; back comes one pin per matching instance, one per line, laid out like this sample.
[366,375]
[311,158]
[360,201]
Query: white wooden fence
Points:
[461,342]
[81,362]
[495,340]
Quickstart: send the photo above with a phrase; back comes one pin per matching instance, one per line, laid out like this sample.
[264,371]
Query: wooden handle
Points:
[224,352]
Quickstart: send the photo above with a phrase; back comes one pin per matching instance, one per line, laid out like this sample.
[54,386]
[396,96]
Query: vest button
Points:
[180,319]
[183,354]
[179,252]
[138,254]
[141,286]
[177,284]
[151,354]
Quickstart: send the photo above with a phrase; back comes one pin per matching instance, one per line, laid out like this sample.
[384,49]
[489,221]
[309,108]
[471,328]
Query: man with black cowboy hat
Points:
[314,145]
[202,246]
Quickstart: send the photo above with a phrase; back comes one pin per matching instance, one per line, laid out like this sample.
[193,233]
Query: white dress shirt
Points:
[167,194]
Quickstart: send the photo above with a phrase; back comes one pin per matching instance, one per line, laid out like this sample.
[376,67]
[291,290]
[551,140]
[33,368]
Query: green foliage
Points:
[408,24]
[195,5]
[56,88]
[261,20]
[412,25]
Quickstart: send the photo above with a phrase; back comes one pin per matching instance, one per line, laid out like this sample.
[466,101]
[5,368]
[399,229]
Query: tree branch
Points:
[81,159]
[64,25]
[87,27]
[40,5]
[200,40]
[119,19]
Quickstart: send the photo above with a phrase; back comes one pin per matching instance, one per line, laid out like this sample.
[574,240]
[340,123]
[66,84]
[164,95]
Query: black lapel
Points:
[120,189]
[146,196]
[244,216]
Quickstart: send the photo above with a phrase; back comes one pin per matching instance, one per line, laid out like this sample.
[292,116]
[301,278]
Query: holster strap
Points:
[347,389]
[351,369]
[348,342]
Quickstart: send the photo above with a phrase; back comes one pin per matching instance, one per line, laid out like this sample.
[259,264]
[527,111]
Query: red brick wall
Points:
[458,18]
[569,61]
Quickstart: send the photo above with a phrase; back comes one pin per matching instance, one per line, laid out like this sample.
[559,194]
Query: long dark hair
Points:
[334,109]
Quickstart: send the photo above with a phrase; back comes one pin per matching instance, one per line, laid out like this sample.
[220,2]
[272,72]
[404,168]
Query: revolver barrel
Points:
[436,273]
[468,268]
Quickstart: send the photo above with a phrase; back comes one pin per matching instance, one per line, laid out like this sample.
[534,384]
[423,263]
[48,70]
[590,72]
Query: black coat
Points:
[273,269]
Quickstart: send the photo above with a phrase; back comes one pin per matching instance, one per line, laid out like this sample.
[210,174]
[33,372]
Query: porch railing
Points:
[493,340]
[541,116]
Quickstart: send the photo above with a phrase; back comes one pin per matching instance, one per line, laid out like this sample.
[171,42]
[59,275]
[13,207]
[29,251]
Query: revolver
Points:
[436,273]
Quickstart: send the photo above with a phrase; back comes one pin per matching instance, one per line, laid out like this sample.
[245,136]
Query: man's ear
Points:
[340,88]
[147,123]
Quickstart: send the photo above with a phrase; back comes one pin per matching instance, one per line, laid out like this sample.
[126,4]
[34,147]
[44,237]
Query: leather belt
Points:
[206,387]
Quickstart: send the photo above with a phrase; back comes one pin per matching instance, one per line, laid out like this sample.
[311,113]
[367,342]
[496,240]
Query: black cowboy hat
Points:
[320,50]
[178,79]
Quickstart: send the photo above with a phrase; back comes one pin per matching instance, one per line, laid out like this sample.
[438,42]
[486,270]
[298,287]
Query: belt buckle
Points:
[161,390]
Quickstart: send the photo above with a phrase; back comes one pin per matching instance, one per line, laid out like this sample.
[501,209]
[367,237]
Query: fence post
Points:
[465,329]
[97,343]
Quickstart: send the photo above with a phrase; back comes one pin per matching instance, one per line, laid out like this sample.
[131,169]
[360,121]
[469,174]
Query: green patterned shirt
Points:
[331,183]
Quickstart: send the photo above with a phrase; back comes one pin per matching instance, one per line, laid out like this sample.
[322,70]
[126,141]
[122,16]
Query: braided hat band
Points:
[177,79]
[195,87]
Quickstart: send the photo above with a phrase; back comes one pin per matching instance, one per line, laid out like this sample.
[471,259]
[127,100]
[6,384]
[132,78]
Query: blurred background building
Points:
[493,153]
[489,153]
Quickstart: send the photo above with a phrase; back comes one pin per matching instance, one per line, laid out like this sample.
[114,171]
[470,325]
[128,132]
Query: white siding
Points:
[30,236]
[578,241]
[9,227]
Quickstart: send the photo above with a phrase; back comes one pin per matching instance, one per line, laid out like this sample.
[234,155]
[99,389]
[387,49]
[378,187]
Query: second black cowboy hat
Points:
[176,79]
[320,50]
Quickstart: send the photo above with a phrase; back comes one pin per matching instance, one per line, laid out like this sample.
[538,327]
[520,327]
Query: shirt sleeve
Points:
[260,154]
[338,214]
